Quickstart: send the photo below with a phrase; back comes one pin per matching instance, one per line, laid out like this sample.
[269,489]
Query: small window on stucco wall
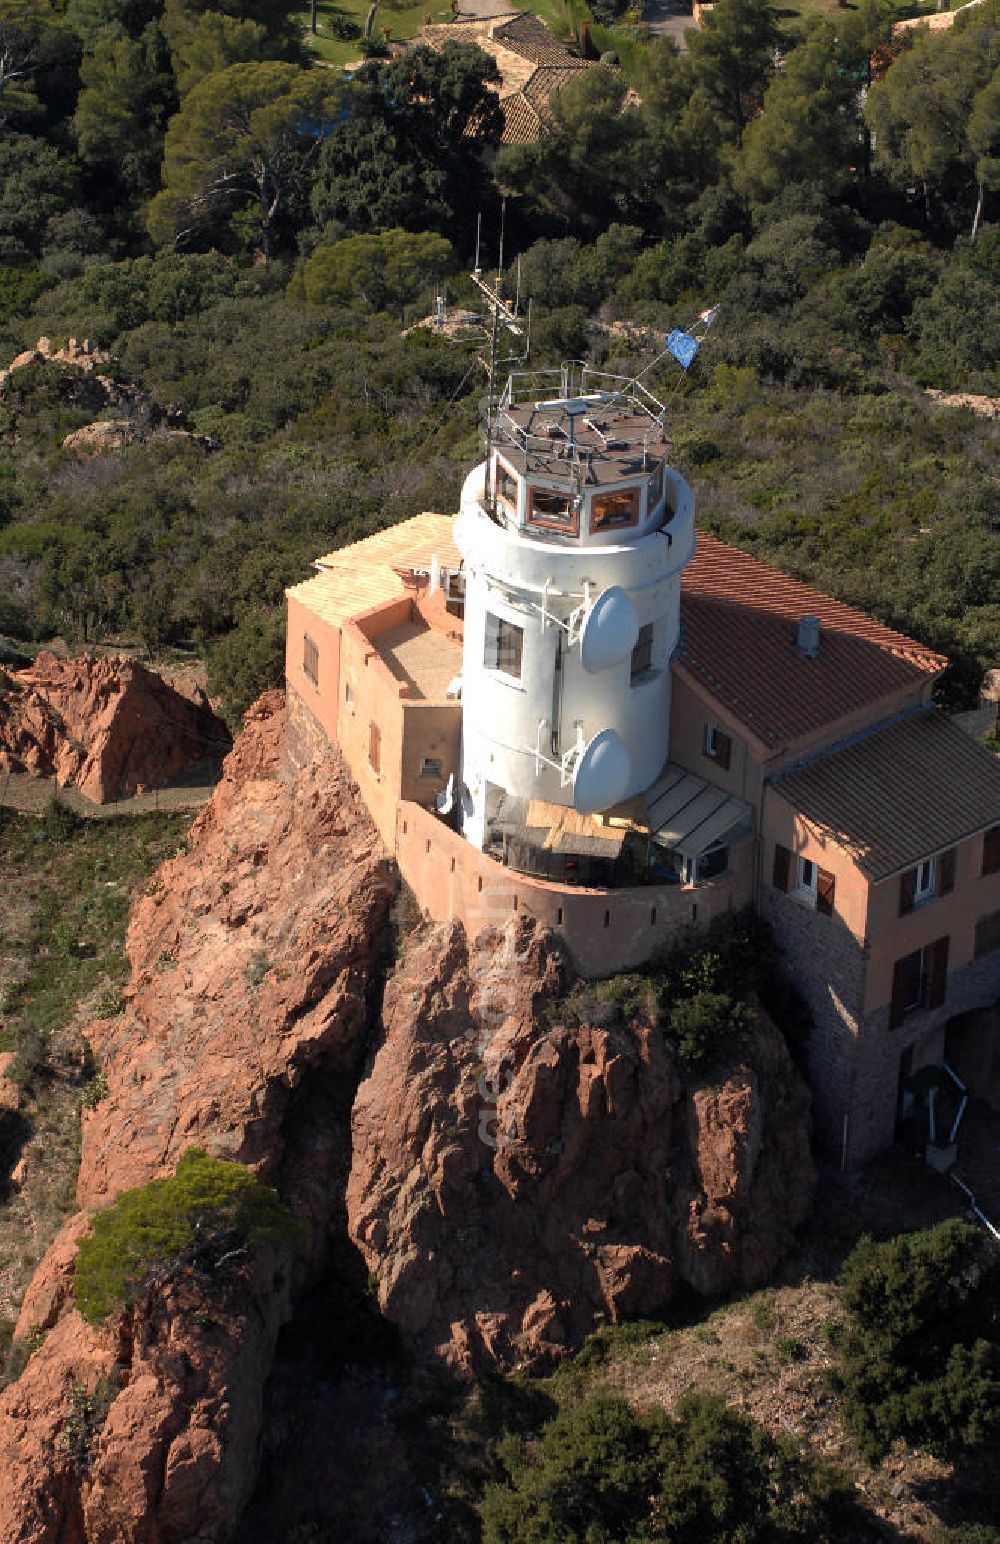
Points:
[374,747]
[310,660]
[987,934]
[991,851]
[718,746]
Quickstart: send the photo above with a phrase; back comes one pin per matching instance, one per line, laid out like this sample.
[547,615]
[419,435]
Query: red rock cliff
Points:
[251,958]
[511,1179]
[515,1182]
[109,727]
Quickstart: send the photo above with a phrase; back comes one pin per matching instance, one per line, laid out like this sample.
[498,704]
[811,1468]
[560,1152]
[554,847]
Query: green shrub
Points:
[704,1027]
[94,1090]
[920,1353]
[706,1473]
[59,821]
[207,1217]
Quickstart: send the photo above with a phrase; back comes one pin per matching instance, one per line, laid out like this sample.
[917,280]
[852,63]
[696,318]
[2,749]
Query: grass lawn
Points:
[402,21]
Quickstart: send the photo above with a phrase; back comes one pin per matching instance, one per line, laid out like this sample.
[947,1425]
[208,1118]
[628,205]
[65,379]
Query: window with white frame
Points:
[717,746]
[504,646]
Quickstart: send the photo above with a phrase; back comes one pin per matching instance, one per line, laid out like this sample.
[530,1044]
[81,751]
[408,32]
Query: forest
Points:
[250,236]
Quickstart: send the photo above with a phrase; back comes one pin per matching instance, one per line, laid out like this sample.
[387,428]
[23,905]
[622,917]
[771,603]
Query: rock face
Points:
[509,1179]
[109,727]
[251,956]
[513,1183]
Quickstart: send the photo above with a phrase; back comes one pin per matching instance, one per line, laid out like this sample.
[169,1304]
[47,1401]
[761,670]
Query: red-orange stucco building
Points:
[828,791]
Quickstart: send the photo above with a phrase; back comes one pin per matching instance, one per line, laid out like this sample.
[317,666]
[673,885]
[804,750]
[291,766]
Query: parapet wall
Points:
[603,930]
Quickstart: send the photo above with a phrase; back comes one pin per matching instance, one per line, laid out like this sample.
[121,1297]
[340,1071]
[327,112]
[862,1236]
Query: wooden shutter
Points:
[991,851]
[936,970]
[374,747]
[897,1006]
[825,888]
[782,867]
[907,891]
[946,872]
[723,749]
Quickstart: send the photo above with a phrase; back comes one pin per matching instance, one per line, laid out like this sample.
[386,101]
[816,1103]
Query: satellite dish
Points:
[603,773]
[609,631]
[445,800]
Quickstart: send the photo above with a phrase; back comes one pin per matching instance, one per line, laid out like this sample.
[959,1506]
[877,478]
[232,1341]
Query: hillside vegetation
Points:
[244,230]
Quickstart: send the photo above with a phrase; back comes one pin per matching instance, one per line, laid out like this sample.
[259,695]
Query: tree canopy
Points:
[240,147]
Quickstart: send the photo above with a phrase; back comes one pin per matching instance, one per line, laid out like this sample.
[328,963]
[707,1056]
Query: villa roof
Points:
[368,573]
[739,621]
[528,36]
[533,66]
[901,794]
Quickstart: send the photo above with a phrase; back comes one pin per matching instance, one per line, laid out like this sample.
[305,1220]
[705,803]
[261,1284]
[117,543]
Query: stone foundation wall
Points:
[818,950]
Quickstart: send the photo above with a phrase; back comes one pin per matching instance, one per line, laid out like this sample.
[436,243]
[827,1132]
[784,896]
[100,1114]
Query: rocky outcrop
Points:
[85,356]
[252,956]
[85,378]
[102,438]
[109,727]
[515,1182]
[510,1181]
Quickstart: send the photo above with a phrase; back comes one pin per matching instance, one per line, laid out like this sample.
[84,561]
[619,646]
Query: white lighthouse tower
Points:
[573,533]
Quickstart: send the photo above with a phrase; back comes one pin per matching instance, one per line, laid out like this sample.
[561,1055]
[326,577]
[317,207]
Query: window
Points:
[374,747]
[610,510]
[310,660]
[718,747]
[506,486]
[504,643]
[431,766]
[642,654]
[931,877]
[349,695]
[813,885]
[919,980]
[991,851]
[556,511]
[987,934]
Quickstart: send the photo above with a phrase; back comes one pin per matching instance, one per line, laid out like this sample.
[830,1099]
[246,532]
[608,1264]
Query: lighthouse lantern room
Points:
[573,531]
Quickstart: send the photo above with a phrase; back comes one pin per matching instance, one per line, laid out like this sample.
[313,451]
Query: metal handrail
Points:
[576,378]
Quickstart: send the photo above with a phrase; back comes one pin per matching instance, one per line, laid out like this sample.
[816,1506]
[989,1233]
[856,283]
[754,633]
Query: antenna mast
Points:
[501,315]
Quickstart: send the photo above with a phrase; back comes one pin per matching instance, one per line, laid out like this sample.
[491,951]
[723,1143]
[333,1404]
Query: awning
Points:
[689,814]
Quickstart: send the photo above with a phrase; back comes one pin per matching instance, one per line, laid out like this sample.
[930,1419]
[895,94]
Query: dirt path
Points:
[30,795]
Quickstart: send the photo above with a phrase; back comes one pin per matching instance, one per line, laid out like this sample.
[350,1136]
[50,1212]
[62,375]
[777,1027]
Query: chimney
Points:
[807,638]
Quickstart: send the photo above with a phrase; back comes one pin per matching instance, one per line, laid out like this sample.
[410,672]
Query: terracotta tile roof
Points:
[531,38]
[522,123]
[363,575]
[899,795]
[739,620]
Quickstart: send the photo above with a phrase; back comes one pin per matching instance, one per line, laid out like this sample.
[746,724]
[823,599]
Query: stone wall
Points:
[819,950]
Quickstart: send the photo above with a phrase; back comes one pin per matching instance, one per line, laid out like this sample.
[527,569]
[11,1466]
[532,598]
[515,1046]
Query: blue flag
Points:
[682,346]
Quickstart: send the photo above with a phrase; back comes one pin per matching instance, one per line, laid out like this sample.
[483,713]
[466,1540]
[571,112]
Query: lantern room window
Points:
[554,511]
[506,486]
[609,511]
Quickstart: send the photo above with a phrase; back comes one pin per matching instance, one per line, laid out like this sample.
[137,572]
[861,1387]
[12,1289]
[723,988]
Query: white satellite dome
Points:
[603,773]
[610,630]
